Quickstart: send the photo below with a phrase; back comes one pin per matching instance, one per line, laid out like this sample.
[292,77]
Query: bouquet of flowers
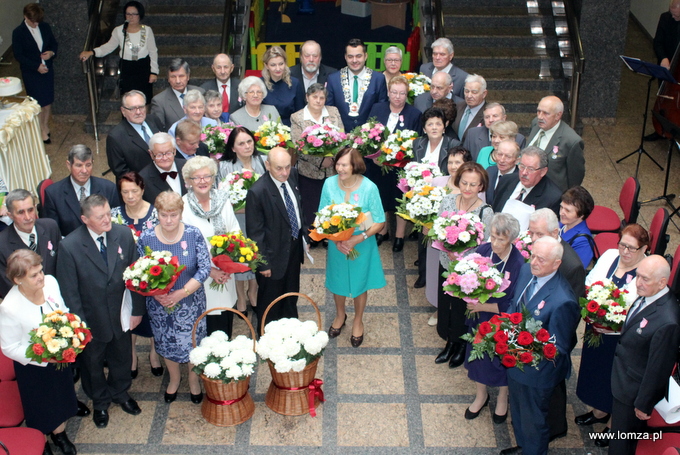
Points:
[272,134]
[291,344]
[368,138]
[420,205]
[337,222]
[215,138]
[153,274]
[234,253]
[517,338]
[222,360]
[415,172]
[321,140]
[475,279]
[61,337]
[605,306]
[523,244]
[397,150]
[237,184]
[119,220]
[417,84]
[456,231]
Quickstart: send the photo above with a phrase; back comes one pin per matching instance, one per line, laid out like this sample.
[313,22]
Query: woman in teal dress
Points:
[353,278]
[500,131]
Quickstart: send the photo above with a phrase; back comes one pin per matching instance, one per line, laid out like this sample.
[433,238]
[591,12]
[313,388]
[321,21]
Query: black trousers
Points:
[557,414]
[101,388]
[224,321]
[624,420]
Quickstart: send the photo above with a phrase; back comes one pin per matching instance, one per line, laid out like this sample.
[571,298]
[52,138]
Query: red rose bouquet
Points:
[604,307]
[153,274]
[234,253]
[396,151]
[60,337]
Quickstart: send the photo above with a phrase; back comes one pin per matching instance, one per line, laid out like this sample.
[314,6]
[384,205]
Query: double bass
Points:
[668,99]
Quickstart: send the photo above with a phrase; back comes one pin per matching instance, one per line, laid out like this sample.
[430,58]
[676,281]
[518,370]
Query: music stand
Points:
[654,72]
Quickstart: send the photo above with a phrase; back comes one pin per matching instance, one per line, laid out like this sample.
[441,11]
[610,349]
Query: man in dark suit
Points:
[355,89]
[440,88]
[478,137]
[166,107]
[90,269]
[127,143]
[531,185]
[165,172]
[547,296]
[223,83]
[62,198]
[188,140]
[442,56]
[645,354]
[310,70]
[471,111]
[507,157]
[273,221]
[566,166]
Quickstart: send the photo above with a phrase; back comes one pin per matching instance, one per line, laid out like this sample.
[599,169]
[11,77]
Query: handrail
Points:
[579,59]
[226,26]
[88,65]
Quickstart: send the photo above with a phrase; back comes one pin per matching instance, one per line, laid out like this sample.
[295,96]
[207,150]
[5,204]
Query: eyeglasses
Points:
[255,93]
[134,108]
[203,178]
[164,155]
[393,60]
[393,93]
[132,14]
[530,170]
[624,247]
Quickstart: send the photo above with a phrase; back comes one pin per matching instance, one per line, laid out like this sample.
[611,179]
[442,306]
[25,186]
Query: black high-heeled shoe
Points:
[170,397]
[156,371]
[333,332]
[134,373]
[469,415]
[196,399]
[398,244]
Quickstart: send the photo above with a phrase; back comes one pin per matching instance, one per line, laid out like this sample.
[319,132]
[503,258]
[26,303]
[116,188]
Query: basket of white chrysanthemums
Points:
[225,367]
[292,349]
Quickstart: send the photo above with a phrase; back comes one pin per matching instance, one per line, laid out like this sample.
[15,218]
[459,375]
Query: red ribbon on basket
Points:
[228,402]
[314,391]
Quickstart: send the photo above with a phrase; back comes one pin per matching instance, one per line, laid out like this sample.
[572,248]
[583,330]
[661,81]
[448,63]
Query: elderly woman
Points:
[210,211]
[286,93]
[194,108]
[173,315]
[393,58]
[313,170]
[489,372]
[577,204]
[500,131]
[594,385]
[471,179]
[253,114]
[41,386]
[345,278]
[213,107]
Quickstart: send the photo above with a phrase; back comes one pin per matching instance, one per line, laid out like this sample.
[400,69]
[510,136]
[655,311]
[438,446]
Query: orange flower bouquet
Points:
[60,337]
[336,222]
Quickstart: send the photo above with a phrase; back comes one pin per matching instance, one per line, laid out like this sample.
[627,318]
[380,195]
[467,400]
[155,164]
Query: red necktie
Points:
[225,98]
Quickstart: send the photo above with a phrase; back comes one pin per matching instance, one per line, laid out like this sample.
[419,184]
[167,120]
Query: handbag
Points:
[669,406]
[367,223]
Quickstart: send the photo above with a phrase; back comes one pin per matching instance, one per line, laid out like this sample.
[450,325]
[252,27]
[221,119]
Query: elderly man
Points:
[223,83]
[188,140]
[645,354]
[548,298]
[127,143]
[62,199]
[478,137]
[442,56]
[471,111]
[531,185]
[355,88]
[165,172]
[310,70]
[566,166]
[194,110]
[166,107]
[440,88]
[506,157]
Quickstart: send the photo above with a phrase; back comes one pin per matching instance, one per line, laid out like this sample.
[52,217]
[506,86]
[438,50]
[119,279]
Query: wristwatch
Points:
[365,236]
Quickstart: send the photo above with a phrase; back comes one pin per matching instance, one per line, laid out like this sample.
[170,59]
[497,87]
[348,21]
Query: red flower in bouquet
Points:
[38,349]
[500,337]
[515,318]
[69,355]
[603,308]
[501,348]
[526,357]
[509,361]
[156,270]
[601,313]
[234,253]
[485,328]
[149,276]
[549,351]
[143,285]
[525,338]
[60,337]
[592,306]
[542,335]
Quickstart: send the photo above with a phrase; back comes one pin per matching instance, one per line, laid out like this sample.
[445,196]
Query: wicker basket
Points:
[230,404]
[294,393]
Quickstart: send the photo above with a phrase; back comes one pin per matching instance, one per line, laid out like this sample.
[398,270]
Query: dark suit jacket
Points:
[457,74]
[234,103]
[375,93]
[560,316]
[567,167]
[126,150]
[63,206]
[424,101]
[477,138]
[268,225]
[420,148]
[324,71]
[154,184]
[201,151]
[572,269]
[94,290]
[645,356]
[477,120]
[48,242]
[166,109]
[26,49]
[493,175]
[544,194]
[381,111]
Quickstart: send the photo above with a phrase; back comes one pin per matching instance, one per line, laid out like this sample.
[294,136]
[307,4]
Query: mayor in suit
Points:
[478,137]
[506,157]
[62,199]
[165,172]
[27,231]
[645,354]
[90,269]
[166,107]
[274,222]
[566,166]
[355,88]
[127,147]
[223,83]
[310,70]
[547,296]
[442,56]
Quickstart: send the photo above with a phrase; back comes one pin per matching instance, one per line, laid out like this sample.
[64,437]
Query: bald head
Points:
[653,273]
[279,163]
[441,86]
[222,67]
[549,112]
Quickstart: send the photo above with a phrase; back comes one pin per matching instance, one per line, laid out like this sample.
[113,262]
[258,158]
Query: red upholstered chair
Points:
[656,423]
[658,239]
[413,47]
[41,195]
[6,368]
[605,241]
[661,447]
[11,411]
[674,283]
[256,73]
[604,219]
[21,441]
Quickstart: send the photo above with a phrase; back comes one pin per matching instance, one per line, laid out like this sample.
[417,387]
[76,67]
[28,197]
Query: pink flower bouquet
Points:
[456,231]
[523,244]
[415,172]
[321,140]
[368,138]
[215,138]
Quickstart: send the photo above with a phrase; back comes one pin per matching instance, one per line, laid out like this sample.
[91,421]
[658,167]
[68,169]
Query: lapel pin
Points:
[50,247]
[537,311]
[120,252]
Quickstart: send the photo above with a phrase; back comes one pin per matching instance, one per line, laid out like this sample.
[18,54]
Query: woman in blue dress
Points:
[186,300]
[285,93]
[577,204]
[353,278]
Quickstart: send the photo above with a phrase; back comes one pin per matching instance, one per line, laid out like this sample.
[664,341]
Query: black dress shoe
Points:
[603,442]
[416,263]
[100,418]
[196,399]
[157,371]
[512,451]
[170,397]
[313,243]
[413,235]
[420,282]
[356,341]
[47,141]
[134,373]
[61,440]
[446,353]
[333,332]
[324,243]
[458,357]
[83,410]
[379,238]
[499,419]
[47,450]
[398,244]
[131,407]
[469,415]
[589,418]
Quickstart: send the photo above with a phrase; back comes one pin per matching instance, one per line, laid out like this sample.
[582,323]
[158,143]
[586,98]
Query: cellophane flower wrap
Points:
[119,220]
[60,336]
[517,338]
[153,274]
[321,140]
[417,84]
[369,137]
[523,245]
[215,138]
[475,279]
[234,253]
[272,134]
[396,151]
[605,306]
[224,360]
[456,231]
[237,184]
[291,344]
[420,204]
[336,222]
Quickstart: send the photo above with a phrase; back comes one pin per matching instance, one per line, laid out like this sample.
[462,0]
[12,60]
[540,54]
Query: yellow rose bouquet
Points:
[60,337]
[234,253]
[337,222]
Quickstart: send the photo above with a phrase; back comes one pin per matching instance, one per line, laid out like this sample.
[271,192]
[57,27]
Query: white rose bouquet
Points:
[223,360]
[421,204]
[291,344]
